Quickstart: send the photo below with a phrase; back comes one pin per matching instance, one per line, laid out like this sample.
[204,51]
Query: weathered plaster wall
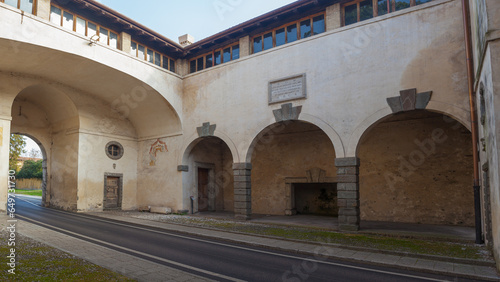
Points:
[417,167]
[489,132]
[287,151]
[159,182]
[94,163]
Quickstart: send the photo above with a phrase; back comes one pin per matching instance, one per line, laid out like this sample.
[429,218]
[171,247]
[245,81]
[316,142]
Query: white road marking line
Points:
[136,252]
[256,251]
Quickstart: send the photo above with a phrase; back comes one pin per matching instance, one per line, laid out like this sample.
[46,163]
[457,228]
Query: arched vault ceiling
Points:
[146,108]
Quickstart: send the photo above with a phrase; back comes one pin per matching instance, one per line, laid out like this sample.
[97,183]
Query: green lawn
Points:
[39,262]
[29,192]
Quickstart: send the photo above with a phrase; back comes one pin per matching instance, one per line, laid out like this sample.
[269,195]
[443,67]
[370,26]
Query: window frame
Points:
[87,21]
[34,10]
[391,8]
[295,23]
[212,53]
[170,62]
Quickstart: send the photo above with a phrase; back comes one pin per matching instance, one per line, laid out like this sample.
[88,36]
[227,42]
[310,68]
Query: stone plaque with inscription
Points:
[286,89]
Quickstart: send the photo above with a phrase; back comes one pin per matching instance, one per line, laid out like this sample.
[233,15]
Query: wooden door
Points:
[203,189]
[112,193]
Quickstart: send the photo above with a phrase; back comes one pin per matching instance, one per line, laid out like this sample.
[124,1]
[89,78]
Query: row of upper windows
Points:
[361,10]
[105,36]
[290,32]
[82,26]
[150,55]
[214,58]
[27,6]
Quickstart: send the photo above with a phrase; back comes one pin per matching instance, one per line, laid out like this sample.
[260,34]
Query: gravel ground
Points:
[385,243]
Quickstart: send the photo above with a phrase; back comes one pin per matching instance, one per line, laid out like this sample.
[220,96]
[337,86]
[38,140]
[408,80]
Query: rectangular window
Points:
[81,26]
[141,52]
[268,41]
[351,14]
[91,30]
[209,61]
[12,3]
[217,58]
[236,52]
[133,49]
[318,24]
[305,29]
[172,65]
[150,56]
[365,10]
[291,33]
[157,59]
[226,55]
[26,6]
[383,7]
[257,44]
[103,35]
[113,39]
[55,15]
[280,37]
[68,20]
[192,66]
[401,4]
[199,62]
[165,63]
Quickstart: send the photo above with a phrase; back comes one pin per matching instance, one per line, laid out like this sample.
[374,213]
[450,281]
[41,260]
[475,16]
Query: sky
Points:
[199,18]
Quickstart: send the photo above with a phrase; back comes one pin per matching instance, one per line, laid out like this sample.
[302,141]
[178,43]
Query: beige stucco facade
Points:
[75,97]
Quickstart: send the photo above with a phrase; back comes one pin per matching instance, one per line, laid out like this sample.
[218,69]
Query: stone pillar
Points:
[333,17]
[43,9]
[348,193]
[125,42]
[244,46]
[242,190]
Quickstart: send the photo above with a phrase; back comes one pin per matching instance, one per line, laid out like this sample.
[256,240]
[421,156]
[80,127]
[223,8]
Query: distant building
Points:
[354,109]
[21,160]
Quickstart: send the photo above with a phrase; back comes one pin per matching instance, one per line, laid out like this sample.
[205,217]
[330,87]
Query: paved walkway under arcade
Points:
[448,232]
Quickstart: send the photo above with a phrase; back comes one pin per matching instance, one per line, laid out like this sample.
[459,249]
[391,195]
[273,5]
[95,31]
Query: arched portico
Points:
[45,113]
[207,178]
[416,167]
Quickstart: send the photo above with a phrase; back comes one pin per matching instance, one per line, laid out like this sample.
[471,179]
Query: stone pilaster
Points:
[245,46]
[348,193]
[333,17]
[43,9]
[125,42]
[242,190]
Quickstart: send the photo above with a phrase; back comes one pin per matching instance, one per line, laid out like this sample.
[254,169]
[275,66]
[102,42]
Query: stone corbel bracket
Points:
[287,112]
[409,100]
[206,130]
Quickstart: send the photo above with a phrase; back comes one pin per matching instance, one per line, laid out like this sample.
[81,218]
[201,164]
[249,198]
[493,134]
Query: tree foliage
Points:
[17,144]
[31,169]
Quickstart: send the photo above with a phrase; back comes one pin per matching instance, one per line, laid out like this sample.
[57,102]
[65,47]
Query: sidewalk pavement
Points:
[128,265]
[424,263]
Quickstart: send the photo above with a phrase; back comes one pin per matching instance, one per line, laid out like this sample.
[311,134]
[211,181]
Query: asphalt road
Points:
[206,257]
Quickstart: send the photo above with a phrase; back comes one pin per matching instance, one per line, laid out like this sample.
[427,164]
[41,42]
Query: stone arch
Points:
[293,170]
[45,114]
[416,167]
[454,112]
[325,127]
[194,139]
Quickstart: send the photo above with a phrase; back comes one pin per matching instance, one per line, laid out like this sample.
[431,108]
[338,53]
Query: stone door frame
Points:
[120,190]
